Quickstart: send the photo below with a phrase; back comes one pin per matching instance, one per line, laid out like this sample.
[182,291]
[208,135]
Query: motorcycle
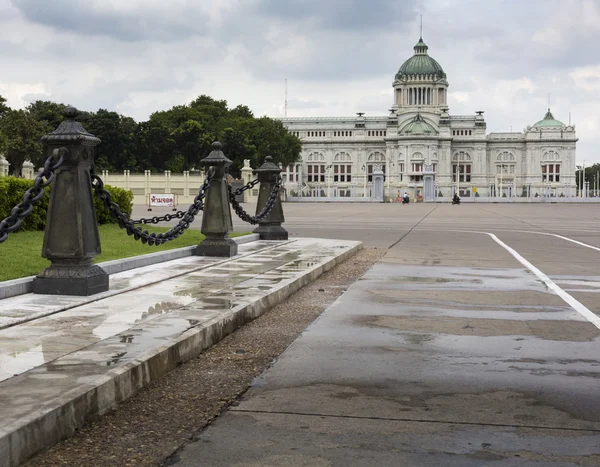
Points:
[456,200]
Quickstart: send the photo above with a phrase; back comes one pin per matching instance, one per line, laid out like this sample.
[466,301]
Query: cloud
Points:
[339,56]
[133,20]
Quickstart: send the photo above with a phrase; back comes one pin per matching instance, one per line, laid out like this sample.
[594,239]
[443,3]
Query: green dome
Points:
[418,126]
[420,64]
[549,121]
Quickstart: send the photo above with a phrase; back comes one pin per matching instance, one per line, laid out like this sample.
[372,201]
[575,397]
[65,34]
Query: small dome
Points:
[420,64]
[418,126]
[549,121]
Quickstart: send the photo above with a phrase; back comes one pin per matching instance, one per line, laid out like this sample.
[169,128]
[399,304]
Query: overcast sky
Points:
[339,56]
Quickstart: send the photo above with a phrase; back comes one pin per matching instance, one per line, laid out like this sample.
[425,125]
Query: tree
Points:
[154,145]
[237,146]
[49,112]
[3,107]
[22,135]
[192,142]
[117,150]
[271,138]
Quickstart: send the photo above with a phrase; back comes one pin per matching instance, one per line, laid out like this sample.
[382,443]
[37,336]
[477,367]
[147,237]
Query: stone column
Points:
[167,181]
[186,183]
[247,178]
[27,170]
[216,220]
[270,227]
[71,238]
[4,164]
[378,186]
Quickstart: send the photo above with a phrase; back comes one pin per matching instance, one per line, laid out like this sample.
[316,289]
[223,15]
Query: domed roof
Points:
[418,126]
[549,121]
[420,64]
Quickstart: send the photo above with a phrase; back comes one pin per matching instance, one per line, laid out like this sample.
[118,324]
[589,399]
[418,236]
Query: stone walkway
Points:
[69,358]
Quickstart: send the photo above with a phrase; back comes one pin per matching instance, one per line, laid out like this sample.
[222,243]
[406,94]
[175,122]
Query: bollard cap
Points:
[216,156]
[268,166]
[70,131]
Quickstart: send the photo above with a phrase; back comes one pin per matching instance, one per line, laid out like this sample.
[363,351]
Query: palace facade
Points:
[424,150]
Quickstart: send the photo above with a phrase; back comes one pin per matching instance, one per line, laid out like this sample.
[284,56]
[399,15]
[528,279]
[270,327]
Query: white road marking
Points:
[570,240]
[575,304]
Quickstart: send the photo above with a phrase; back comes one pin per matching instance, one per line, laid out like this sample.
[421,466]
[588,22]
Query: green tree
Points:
[117,150]
[22,135]
[237,146]
[49,112]
[155,146]
[3,107]
[271,138]
[192,142]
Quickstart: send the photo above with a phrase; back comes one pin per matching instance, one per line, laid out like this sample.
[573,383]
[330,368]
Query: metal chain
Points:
[143,235]
[247,186]
[181,214]
[265,210]
[32,195]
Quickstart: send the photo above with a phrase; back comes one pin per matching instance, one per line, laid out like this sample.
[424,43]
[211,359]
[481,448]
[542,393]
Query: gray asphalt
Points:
[449,351]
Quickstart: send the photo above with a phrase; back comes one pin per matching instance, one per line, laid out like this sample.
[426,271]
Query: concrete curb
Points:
[67,413]
[24,285]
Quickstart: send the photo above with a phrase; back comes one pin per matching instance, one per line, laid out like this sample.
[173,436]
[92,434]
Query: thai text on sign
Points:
[166,199]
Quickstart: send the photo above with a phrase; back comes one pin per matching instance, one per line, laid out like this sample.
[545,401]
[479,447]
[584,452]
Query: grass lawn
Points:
[21,254]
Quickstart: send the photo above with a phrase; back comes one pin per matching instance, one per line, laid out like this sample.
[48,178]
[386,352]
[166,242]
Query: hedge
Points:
[12,190]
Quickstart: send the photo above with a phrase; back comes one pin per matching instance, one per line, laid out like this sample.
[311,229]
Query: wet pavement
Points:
[67,359]
[474,341]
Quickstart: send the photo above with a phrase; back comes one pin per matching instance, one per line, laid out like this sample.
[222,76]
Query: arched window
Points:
[342,157]
[315,157]
[550,156]
[505,157]
[550,167]
[342,167]
[376,157]
[505,163]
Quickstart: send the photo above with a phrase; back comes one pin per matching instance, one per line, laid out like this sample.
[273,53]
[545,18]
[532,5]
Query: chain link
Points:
[187,217]
[265,210]
[247,186]
[32,195]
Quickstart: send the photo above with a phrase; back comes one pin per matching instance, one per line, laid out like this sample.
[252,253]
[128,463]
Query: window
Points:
[291,173]
[400,170]
[342,173]
[551,172]
[462,171]
[461,167]
[416,178]
[315,157]
[550,156]
[417,167]
[505,169]
[316,172]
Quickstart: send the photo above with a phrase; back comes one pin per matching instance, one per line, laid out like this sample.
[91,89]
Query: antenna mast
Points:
[421,29]
[285,105]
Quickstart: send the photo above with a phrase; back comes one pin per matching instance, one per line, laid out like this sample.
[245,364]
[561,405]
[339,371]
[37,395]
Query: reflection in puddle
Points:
[115,358]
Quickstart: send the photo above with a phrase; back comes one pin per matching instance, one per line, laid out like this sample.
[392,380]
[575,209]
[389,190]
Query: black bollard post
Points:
[71,238]
[216,219]
[270,227]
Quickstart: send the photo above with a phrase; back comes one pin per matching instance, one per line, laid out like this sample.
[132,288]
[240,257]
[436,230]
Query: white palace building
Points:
[424,150]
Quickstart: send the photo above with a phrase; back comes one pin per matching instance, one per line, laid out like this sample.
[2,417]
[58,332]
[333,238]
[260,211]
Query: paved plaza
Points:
[474,341]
